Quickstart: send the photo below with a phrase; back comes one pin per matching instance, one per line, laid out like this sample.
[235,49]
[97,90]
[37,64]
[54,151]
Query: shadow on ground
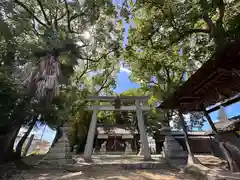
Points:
[102,174]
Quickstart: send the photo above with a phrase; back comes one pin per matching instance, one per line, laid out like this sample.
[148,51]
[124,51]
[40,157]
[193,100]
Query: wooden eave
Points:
[217,80]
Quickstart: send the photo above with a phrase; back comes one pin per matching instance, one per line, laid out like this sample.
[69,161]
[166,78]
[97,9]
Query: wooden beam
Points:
[206,83]
[112,108]
[224,71]
[188,97]
[201,83]
[209,119]
[112,98]
[225,103]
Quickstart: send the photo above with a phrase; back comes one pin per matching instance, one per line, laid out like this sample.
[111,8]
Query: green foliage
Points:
[8,96]
[79,129]
[196,121]
[172,39]
[79,36]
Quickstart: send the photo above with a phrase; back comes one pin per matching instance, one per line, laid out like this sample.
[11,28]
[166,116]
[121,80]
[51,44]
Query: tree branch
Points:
[181,77]
[204,5]
[62,16]
[76,16]
[68,17]
[221,8]
[56,18]
[103,56]
[34,28]
[208,20]
[30,12]
[198,31]
[44,13]
[55,21]
[84,71]
[168,74]
[105,81]
[172,21]
[183,35]
[152,82]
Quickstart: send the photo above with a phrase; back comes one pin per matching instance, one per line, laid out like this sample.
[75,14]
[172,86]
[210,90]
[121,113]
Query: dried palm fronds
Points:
[43,79]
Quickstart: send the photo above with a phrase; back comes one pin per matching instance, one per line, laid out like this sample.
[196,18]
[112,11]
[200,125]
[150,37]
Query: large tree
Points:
[159,61]
[43,43]
[205,23]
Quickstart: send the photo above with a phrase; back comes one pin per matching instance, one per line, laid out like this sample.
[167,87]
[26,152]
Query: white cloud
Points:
[86,34]
[186,117]
[175,118]
[23,130]
[79,43]
[122,69]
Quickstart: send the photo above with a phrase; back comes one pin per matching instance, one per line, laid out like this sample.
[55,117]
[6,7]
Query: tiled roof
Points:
[116,129]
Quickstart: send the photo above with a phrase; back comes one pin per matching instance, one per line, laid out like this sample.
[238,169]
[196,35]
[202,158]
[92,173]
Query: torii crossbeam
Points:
[139,107]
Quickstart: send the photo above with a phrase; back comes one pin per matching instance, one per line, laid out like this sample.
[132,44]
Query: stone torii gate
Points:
[138,107]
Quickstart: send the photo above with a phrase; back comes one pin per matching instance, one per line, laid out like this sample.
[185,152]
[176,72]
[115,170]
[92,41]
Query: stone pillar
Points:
[143,136]
[59,154]
[128,148]
[172,150]
[103,149]
[90,138]
[68,154]
[140,153]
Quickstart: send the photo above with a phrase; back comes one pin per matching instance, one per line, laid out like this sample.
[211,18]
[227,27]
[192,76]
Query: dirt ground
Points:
[107,173]
[102,174]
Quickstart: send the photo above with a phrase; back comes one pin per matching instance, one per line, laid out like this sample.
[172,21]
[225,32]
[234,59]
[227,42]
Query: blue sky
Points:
[124,83]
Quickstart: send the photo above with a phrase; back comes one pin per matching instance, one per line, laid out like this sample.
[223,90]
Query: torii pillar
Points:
[143,135]
[87,156]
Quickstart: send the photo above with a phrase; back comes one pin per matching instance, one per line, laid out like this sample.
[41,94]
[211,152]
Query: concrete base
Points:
[59,154]
[120,161]
[173,152]
[114,153]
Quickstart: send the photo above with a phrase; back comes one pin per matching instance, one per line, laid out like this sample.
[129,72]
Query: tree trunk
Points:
[18,115]
[23,139]
[231,162]
[9,143]
[17,155]
[2,141]
[227,154]
[191,156]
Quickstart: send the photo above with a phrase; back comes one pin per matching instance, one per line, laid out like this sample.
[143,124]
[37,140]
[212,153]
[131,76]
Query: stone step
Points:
[176,154]
[114,153]
[145,166]
[58,150]
[177,163]
[121,157]
[125,166]
[171,146]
